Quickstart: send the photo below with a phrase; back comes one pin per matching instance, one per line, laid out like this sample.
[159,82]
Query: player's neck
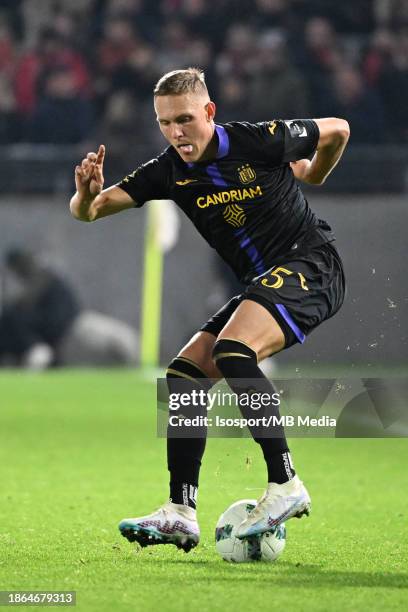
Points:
[211,150]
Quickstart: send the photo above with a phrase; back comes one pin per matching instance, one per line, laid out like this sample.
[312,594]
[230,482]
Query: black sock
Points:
[280,467]
[183,493]
[238,364]
[186,445]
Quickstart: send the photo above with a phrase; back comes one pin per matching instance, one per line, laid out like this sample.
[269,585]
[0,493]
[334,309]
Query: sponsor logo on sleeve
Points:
[296,128]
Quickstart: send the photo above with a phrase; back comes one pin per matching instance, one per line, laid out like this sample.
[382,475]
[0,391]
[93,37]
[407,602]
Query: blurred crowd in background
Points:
[72,70]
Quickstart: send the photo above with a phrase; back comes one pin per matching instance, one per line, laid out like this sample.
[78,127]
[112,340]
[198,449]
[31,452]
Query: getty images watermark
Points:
[250,401]
[326,407]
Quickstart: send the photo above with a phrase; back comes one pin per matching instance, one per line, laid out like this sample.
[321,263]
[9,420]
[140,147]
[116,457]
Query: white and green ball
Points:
[266,547]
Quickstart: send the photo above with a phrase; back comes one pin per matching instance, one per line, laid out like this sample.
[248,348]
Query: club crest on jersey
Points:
[234,215]
[246,174]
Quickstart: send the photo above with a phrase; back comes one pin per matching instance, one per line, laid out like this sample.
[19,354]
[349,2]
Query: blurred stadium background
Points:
[73,75]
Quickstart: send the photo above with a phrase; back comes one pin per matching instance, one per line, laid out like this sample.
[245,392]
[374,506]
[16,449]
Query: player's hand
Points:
[89,175]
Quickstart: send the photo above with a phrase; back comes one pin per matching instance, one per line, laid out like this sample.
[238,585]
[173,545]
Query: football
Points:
[266,547]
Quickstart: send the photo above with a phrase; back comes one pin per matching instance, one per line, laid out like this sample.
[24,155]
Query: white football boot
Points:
[279,503]
[170,524]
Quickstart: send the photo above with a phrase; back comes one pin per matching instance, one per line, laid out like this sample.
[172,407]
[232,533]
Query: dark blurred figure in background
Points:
[377,55]
[233,97]
[274,73]
[317,54]
[43,325]
[9,125]
[63,115]
[356,16]
[121,114]
[33,324]
[393,87]
[52,51]
[271,14]
[238,57]
[118,42]
[361,106]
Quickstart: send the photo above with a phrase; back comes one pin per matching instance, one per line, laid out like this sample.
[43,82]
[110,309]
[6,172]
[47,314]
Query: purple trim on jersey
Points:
[285,314]
[223,148]
[251,251]
[215,175]
[223,141]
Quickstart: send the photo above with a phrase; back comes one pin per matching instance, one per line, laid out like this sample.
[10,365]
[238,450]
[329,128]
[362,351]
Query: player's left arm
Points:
[334,134]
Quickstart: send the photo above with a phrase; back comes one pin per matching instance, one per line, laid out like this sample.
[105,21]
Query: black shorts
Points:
[300,291]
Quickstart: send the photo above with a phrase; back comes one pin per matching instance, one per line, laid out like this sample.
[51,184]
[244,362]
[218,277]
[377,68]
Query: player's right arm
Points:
[333,137]
[91,201]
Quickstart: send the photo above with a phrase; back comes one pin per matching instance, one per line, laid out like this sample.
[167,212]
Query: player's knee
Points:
[227,352]
[183,369]
[198,351]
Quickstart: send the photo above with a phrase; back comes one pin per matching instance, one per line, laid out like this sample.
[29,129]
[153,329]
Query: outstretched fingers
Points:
[80,179]
[91,169]
[88,168]
[101,155]
[85,171]
[81,171]
[98,170]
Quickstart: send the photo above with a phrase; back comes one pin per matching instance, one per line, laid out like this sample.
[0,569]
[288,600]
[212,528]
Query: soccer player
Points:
[237,183]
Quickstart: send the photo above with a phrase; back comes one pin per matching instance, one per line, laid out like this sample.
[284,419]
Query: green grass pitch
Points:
[78,452]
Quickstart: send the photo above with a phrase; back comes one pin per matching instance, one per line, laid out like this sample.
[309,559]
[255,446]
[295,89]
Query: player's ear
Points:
[210,110]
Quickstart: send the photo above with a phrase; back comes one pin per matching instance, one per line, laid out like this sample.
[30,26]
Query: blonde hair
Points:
[179,82]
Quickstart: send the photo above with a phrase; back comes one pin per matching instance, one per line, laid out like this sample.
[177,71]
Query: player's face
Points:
[186,122]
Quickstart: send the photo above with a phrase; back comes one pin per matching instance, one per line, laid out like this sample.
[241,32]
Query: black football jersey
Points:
[246,202]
